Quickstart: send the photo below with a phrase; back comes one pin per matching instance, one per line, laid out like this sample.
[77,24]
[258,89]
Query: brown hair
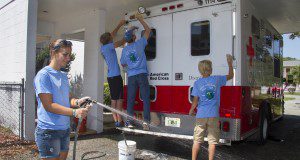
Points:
[105,38]
[55,45]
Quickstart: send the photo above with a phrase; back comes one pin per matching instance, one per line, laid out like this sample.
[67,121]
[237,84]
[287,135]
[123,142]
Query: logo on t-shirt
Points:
[133,57]
[208,92]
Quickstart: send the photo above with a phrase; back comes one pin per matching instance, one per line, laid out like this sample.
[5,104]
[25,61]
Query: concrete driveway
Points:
[283,143]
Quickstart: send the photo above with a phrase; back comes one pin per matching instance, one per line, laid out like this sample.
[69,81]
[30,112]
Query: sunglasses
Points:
[64,43]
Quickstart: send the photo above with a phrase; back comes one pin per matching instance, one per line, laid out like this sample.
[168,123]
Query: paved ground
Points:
[283,143]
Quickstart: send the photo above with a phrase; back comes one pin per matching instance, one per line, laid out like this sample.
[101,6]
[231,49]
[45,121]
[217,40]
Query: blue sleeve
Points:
[43,84]
[142,42]
[111,46]
[195,91]
[222,80]
[122,59]
[107,47]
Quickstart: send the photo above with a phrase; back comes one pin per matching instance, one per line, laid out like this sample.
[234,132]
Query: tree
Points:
[294,35]
[296,73]
[289,59]
[42,59]
[76,86]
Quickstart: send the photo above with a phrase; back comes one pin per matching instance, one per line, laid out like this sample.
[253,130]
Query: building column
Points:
[93,78]
[29,103]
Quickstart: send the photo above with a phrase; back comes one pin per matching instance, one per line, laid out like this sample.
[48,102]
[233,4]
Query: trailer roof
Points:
[282,14]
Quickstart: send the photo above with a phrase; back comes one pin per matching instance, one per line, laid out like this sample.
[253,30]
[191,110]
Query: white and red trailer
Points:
[188,31]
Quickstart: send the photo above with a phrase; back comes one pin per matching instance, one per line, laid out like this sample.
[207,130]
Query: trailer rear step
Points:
[169,135]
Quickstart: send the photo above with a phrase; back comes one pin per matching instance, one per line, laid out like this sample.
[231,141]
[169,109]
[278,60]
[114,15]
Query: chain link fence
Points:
[12,106]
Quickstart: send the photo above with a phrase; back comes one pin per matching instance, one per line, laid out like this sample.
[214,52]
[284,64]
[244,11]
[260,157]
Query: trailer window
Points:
[150,49]
[200,38]
[268,39]
[276,67]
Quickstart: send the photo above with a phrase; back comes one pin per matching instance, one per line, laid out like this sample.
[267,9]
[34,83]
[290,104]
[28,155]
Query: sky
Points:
[291,48]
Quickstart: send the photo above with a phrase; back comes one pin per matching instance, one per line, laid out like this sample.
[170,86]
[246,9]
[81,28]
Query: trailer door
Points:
[198,34]
[159,61]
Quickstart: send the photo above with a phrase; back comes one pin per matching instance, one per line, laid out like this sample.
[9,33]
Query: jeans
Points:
[51,142]
[141,81]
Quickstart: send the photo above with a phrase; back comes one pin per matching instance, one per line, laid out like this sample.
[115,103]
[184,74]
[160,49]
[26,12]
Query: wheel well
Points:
[265,108]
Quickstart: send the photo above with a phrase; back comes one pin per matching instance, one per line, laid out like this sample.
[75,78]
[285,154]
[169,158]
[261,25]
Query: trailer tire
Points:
[263,128]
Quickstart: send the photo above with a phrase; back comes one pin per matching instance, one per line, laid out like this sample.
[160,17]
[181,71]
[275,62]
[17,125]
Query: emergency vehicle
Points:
[188,31]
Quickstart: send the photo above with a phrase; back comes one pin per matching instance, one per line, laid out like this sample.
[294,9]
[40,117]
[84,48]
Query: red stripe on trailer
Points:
[169,99]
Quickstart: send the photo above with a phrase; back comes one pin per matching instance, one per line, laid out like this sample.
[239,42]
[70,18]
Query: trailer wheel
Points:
[263,129]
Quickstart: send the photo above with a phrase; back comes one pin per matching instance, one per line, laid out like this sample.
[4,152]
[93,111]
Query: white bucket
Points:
[126,152]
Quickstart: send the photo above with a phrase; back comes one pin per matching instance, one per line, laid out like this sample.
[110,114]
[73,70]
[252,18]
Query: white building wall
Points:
[17,52]
[13,37]
[93,24]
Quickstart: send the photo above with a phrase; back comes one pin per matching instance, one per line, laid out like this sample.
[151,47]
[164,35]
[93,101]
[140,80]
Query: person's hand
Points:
[138,16]
[229,59]
[191,113]
[82,100]
[81,112]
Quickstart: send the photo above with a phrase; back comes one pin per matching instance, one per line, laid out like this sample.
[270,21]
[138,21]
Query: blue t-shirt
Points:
[110,56]
[49,80]
[208,90]
[133,55]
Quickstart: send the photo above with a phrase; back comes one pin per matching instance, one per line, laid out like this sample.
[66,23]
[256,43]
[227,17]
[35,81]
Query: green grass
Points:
[295,93]
[288,98]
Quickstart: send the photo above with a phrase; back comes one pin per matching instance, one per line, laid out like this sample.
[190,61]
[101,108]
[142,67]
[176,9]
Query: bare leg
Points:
[63,155]
[195,151]
[120,108]
[113,105]
[211,151]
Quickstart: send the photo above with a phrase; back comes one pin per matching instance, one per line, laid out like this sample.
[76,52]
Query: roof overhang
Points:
[282,14]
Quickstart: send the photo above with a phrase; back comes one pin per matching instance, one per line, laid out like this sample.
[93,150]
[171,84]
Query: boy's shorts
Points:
[115,87]
[209,125]
[51,142]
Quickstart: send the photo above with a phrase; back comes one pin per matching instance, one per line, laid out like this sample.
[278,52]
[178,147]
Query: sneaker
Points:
[118,124]
[146,127]
[128,124]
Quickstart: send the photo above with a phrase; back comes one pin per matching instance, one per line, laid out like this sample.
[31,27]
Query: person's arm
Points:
[115,31]
[230,71]
[145,25]
[56,108]
[122,59]
[194,105]
[119,43]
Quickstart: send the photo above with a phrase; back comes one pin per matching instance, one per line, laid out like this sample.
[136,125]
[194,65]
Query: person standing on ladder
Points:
[134,59]
[52,134]
[114,78]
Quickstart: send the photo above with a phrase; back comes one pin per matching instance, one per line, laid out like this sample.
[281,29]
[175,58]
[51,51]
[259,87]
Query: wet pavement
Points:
[283,144]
